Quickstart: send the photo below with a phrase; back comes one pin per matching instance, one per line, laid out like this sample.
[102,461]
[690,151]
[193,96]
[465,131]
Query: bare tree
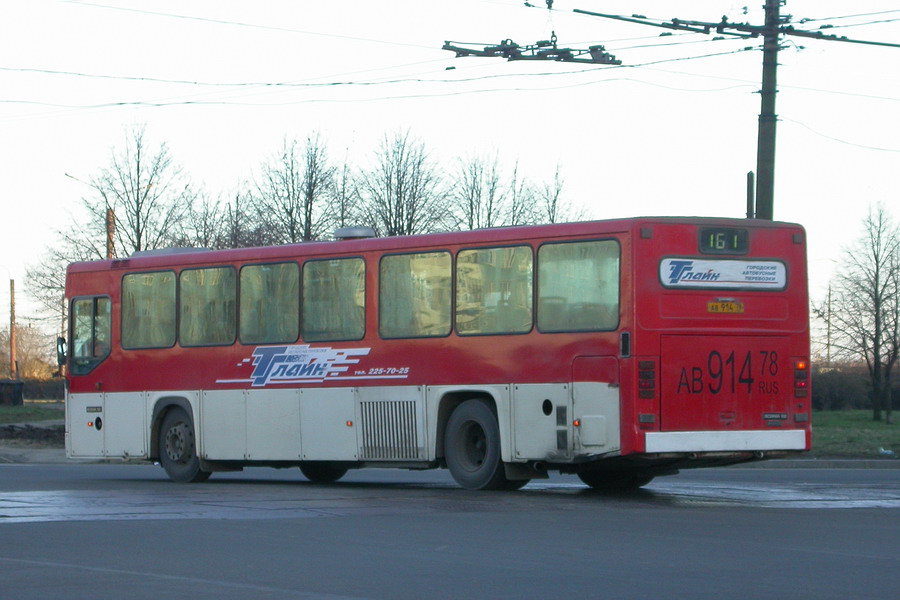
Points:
[481,199]
[205,223]
[521,204]
[240,226]
[863,313]
[294,191]
[552,207]
[400,194]
[45,280]
[150,201]
[147,192]
[34,349]
[345,208]
[477,195]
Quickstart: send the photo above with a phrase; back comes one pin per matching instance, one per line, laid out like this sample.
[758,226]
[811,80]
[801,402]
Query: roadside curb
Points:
[823,463]
[24,455]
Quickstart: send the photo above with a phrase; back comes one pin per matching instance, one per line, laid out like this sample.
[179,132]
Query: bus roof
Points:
[169,257]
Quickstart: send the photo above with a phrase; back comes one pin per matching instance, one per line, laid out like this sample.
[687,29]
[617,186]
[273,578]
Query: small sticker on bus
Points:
[728,307]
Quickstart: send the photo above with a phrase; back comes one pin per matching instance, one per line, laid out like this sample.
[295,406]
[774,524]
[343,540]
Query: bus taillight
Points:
[801,378]
[646,379]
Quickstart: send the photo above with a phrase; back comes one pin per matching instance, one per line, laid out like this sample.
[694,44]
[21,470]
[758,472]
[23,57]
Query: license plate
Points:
[725,307]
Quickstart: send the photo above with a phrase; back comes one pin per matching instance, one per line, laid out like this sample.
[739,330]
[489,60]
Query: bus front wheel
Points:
[178,448]
[472,447]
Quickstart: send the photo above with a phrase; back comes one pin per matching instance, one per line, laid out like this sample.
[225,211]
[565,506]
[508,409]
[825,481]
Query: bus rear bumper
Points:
[724,441]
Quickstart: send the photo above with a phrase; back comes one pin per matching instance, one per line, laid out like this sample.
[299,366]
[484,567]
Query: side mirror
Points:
[61,351]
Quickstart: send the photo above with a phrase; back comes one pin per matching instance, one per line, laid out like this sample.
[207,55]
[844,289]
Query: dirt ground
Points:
[44,436]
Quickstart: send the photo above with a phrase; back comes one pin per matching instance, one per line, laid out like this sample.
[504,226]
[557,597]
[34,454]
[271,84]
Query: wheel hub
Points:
[177,440]
[475,449]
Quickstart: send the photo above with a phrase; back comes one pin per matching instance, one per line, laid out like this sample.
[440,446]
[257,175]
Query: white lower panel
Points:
[83,439]
[124,426]
[222,432]
[597,407]
[541,421]
[328,424]
[724,441]
[273,425]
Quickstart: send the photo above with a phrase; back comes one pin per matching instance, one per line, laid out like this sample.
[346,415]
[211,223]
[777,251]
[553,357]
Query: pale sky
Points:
[665,134]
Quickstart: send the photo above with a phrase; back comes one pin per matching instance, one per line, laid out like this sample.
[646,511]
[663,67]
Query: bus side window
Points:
[493,290]
[91,329]
[578,286]
[148,310]
[333,306]
[270,294]
[208,308]
[414,295]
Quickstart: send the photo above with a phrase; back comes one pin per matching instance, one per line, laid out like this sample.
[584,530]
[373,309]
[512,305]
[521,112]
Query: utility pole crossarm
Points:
[640,21]
[818,35]
[682,25]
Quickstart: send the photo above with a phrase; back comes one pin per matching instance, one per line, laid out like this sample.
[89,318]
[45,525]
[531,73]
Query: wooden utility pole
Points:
[110,233]
[765,146]
[13,371]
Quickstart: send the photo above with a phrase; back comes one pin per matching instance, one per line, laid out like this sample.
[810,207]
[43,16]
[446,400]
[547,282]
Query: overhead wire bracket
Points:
[542,50]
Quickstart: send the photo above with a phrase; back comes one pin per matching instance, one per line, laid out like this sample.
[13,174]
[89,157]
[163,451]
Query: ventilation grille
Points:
[389,430]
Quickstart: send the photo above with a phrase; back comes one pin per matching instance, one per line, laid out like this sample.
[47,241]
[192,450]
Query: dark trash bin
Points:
[12,392]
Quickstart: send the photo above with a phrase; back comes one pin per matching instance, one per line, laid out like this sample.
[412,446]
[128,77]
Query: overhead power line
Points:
[772,31]
[243,24]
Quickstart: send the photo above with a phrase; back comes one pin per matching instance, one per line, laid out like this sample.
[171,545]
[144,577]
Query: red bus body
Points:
[697,371]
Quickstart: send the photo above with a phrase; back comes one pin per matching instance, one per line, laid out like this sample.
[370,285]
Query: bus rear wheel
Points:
[472,448]
[322,472]
[178,448]
[615,481]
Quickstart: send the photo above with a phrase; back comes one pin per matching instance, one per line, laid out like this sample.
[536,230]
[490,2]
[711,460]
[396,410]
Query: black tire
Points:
[515,484]
[178,448]
[472,448]
[615,481]
[322,472]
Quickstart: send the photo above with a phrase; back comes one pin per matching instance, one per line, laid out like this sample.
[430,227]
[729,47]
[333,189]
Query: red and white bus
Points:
[618,350]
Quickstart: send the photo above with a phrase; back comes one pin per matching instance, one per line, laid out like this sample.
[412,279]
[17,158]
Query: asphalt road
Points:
[124,531]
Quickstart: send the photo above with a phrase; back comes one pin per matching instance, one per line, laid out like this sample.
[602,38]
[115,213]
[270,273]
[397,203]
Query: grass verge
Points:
[852,434]
[28,413]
